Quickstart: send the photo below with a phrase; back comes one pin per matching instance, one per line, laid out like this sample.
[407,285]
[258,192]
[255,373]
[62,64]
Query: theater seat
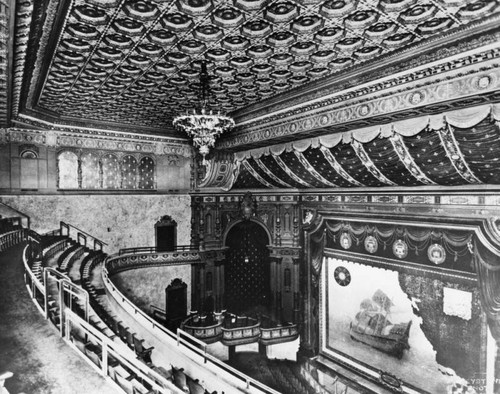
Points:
[144,353]
[125,383]
[195,387]
[180,379]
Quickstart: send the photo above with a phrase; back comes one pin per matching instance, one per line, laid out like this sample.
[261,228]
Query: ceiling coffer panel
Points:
[451,152]
[136,62]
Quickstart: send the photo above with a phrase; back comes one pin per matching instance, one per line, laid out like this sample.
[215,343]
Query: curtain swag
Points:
[417,239]
[463,118]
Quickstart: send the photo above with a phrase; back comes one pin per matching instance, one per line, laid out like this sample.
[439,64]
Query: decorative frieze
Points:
[117,142]
[460,200]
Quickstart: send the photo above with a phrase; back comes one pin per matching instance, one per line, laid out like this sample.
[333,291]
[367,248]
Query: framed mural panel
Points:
[411,329]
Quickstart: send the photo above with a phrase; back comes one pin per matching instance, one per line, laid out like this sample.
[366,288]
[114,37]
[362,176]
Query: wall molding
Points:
[100,140]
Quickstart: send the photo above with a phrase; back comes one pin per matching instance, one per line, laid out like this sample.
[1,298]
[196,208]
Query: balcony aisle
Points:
[31,347]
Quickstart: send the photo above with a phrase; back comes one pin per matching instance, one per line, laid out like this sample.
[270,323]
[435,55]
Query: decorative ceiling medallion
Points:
[483,81]
[119,41]
[195,7]
[381,30]
[235,43]
[345,240]
[256,29]
[281,59]
[250,5]
[89,14]
[166,68]
[162,37]
[192,47]
[281,39]
[176,22]
[78,45]
[141,10]
[307,24]
[71,56]
[361,19]
[228,17]
[477,9]
[323,56]
[349,44]
[396,6]
[397,40]
[342,276]
[371,244]
[149,50]
[130,70]
[436,254]
[338,9]
[418,13]
[102,63]
[434,26]
[241,62]
[180,59]
[109,53]
[400,249]
[281,12]
[367,52]
[128,27]
[208,33]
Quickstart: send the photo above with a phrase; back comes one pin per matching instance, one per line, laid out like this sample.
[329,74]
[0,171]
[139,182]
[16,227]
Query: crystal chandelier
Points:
[203,125]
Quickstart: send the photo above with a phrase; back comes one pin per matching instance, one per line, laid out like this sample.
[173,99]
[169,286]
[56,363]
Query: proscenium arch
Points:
[485,230]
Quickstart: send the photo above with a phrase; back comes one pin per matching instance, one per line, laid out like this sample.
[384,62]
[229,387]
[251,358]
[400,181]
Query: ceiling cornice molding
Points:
[54,14]
[433,49]
[48,117]
[24,15]
[7,13]
[462,82]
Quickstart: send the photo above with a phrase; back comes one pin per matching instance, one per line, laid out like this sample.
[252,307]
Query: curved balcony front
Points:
[282,333]
[204,328]
[240,330]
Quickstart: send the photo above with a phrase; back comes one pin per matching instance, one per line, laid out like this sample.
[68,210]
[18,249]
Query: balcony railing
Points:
[279,334]
[208,331]
[240,330]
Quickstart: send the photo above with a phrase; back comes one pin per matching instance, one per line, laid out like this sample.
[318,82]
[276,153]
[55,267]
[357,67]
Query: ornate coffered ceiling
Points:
[134,64]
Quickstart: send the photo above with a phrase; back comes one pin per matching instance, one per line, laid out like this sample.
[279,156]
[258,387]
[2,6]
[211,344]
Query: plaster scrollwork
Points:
[493,228]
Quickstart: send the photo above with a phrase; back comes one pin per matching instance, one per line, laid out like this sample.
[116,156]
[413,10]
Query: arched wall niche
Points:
[445,271]
[247,273]
[238,221]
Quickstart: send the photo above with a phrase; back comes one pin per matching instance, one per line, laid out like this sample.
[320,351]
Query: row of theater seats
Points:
[70,258]
[288,376]
[282,375]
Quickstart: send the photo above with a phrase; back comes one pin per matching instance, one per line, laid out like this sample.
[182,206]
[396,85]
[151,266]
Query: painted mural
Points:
[375,319]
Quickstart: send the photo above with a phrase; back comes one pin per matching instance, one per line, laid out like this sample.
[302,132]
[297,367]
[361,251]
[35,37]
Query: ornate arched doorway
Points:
[247,272]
